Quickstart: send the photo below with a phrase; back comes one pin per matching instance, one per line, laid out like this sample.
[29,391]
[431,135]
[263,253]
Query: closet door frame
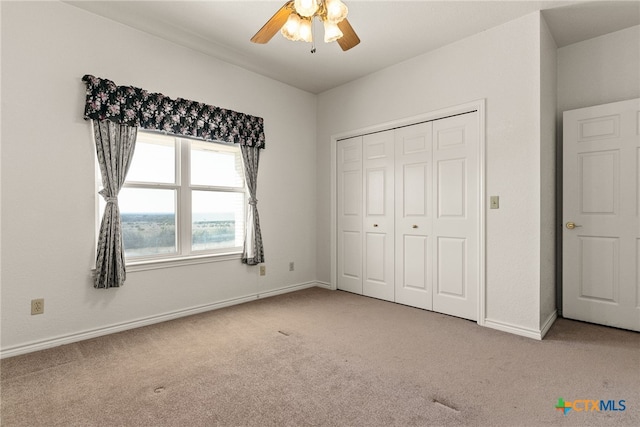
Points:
[479,106]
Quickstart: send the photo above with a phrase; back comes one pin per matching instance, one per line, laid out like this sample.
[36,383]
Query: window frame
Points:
[184,255]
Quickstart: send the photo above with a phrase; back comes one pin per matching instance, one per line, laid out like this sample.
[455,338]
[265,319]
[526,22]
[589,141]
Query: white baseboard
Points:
[549,323]
[325,285]
[522,331]
[111,329]
[288,289]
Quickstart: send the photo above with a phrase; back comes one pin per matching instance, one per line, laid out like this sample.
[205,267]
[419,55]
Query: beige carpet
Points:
[318,357]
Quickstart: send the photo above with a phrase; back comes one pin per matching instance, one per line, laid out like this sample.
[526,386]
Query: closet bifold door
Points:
[349,218]
[378,215]
[455,227]
[413,212]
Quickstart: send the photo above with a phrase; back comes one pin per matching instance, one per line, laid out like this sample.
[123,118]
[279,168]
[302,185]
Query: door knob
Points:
[375,225]
[414,226]
[572,225]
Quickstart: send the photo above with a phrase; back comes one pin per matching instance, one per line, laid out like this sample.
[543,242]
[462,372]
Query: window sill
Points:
[154,264]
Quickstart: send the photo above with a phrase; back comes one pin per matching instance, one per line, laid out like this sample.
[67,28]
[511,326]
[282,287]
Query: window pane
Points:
[153,159]
[216,166]
[217,220]
[148,221]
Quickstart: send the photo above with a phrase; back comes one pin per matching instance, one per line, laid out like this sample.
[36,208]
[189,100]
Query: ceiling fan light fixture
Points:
[336,10]
[306,8]
[291,29]
[331,32]
[305,32]
[295,18]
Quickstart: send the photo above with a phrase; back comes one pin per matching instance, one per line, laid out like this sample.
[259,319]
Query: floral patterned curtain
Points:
[133,106]
[117,112]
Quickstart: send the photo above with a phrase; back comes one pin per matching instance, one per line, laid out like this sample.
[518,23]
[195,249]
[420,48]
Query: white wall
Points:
[502,65]
[48,197]
[548,91]
[600,70]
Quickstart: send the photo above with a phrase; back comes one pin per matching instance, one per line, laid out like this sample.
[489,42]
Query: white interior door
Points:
[378,221]
[601,204]
[456,192]
[349,218]
[413,200]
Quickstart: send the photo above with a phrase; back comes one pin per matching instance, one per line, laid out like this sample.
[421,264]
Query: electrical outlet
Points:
[292,266]
[263,270]
[37,306]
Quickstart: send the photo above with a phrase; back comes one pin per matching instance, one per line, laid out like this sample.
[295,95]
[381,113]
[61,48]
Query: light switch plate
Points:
[495,202]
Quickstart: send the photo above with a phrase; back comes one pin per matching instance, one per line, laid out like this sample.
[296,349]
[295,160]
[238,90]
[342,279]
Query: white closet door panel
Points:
[451,183]
[455,225]
[376,244]
[414,267]
[349,218]
[351,189]
[375,189]
[352,258]
[378,216]
[416,178]
[452,266]
[413,206]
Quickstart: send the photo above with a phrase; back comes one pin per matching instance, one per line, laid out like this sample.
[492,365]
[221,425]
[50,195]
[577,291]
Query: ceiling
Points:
[391,31]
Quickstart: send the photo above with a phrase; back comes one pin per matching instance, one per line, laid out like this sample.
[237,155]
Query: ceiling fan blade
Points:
[349,37]
[274,24]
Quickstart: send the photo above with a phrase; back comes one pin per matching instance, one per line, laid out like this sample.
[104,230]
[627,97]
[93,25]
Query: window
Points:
[182,198]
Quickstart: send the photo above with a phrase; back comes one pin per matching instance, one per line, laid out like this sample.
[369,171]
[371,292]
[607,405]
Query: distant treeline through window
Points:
[155,233]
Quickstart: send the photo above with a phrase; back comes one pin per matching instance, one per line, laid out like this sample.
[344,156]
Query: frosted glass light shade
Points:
[304,32]
[305,7]
[331,32]
[291,29]
[336,11]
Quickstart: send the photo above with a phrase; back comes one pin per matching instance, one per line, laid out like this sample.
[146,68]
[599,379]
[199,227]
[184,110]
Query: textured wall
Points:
[600,70]
[502,65]
[548,91]
[48,175]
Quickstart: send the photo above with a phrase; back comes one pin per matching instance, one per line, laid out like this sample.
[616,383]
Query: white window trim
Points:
[154,264]
[183,256]
[184,201]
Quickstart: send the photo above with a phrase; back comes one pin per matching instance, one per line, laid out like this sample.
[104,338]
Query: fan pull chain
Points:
[313,36]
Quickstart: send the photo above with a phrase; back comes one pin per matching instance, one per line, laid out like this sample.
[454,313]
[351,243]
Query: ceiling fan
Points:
[294,20]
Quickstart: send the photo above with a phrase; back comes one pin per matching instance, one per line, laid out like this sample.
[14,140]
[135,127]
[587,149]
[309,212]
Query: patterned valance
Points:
[136,107]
